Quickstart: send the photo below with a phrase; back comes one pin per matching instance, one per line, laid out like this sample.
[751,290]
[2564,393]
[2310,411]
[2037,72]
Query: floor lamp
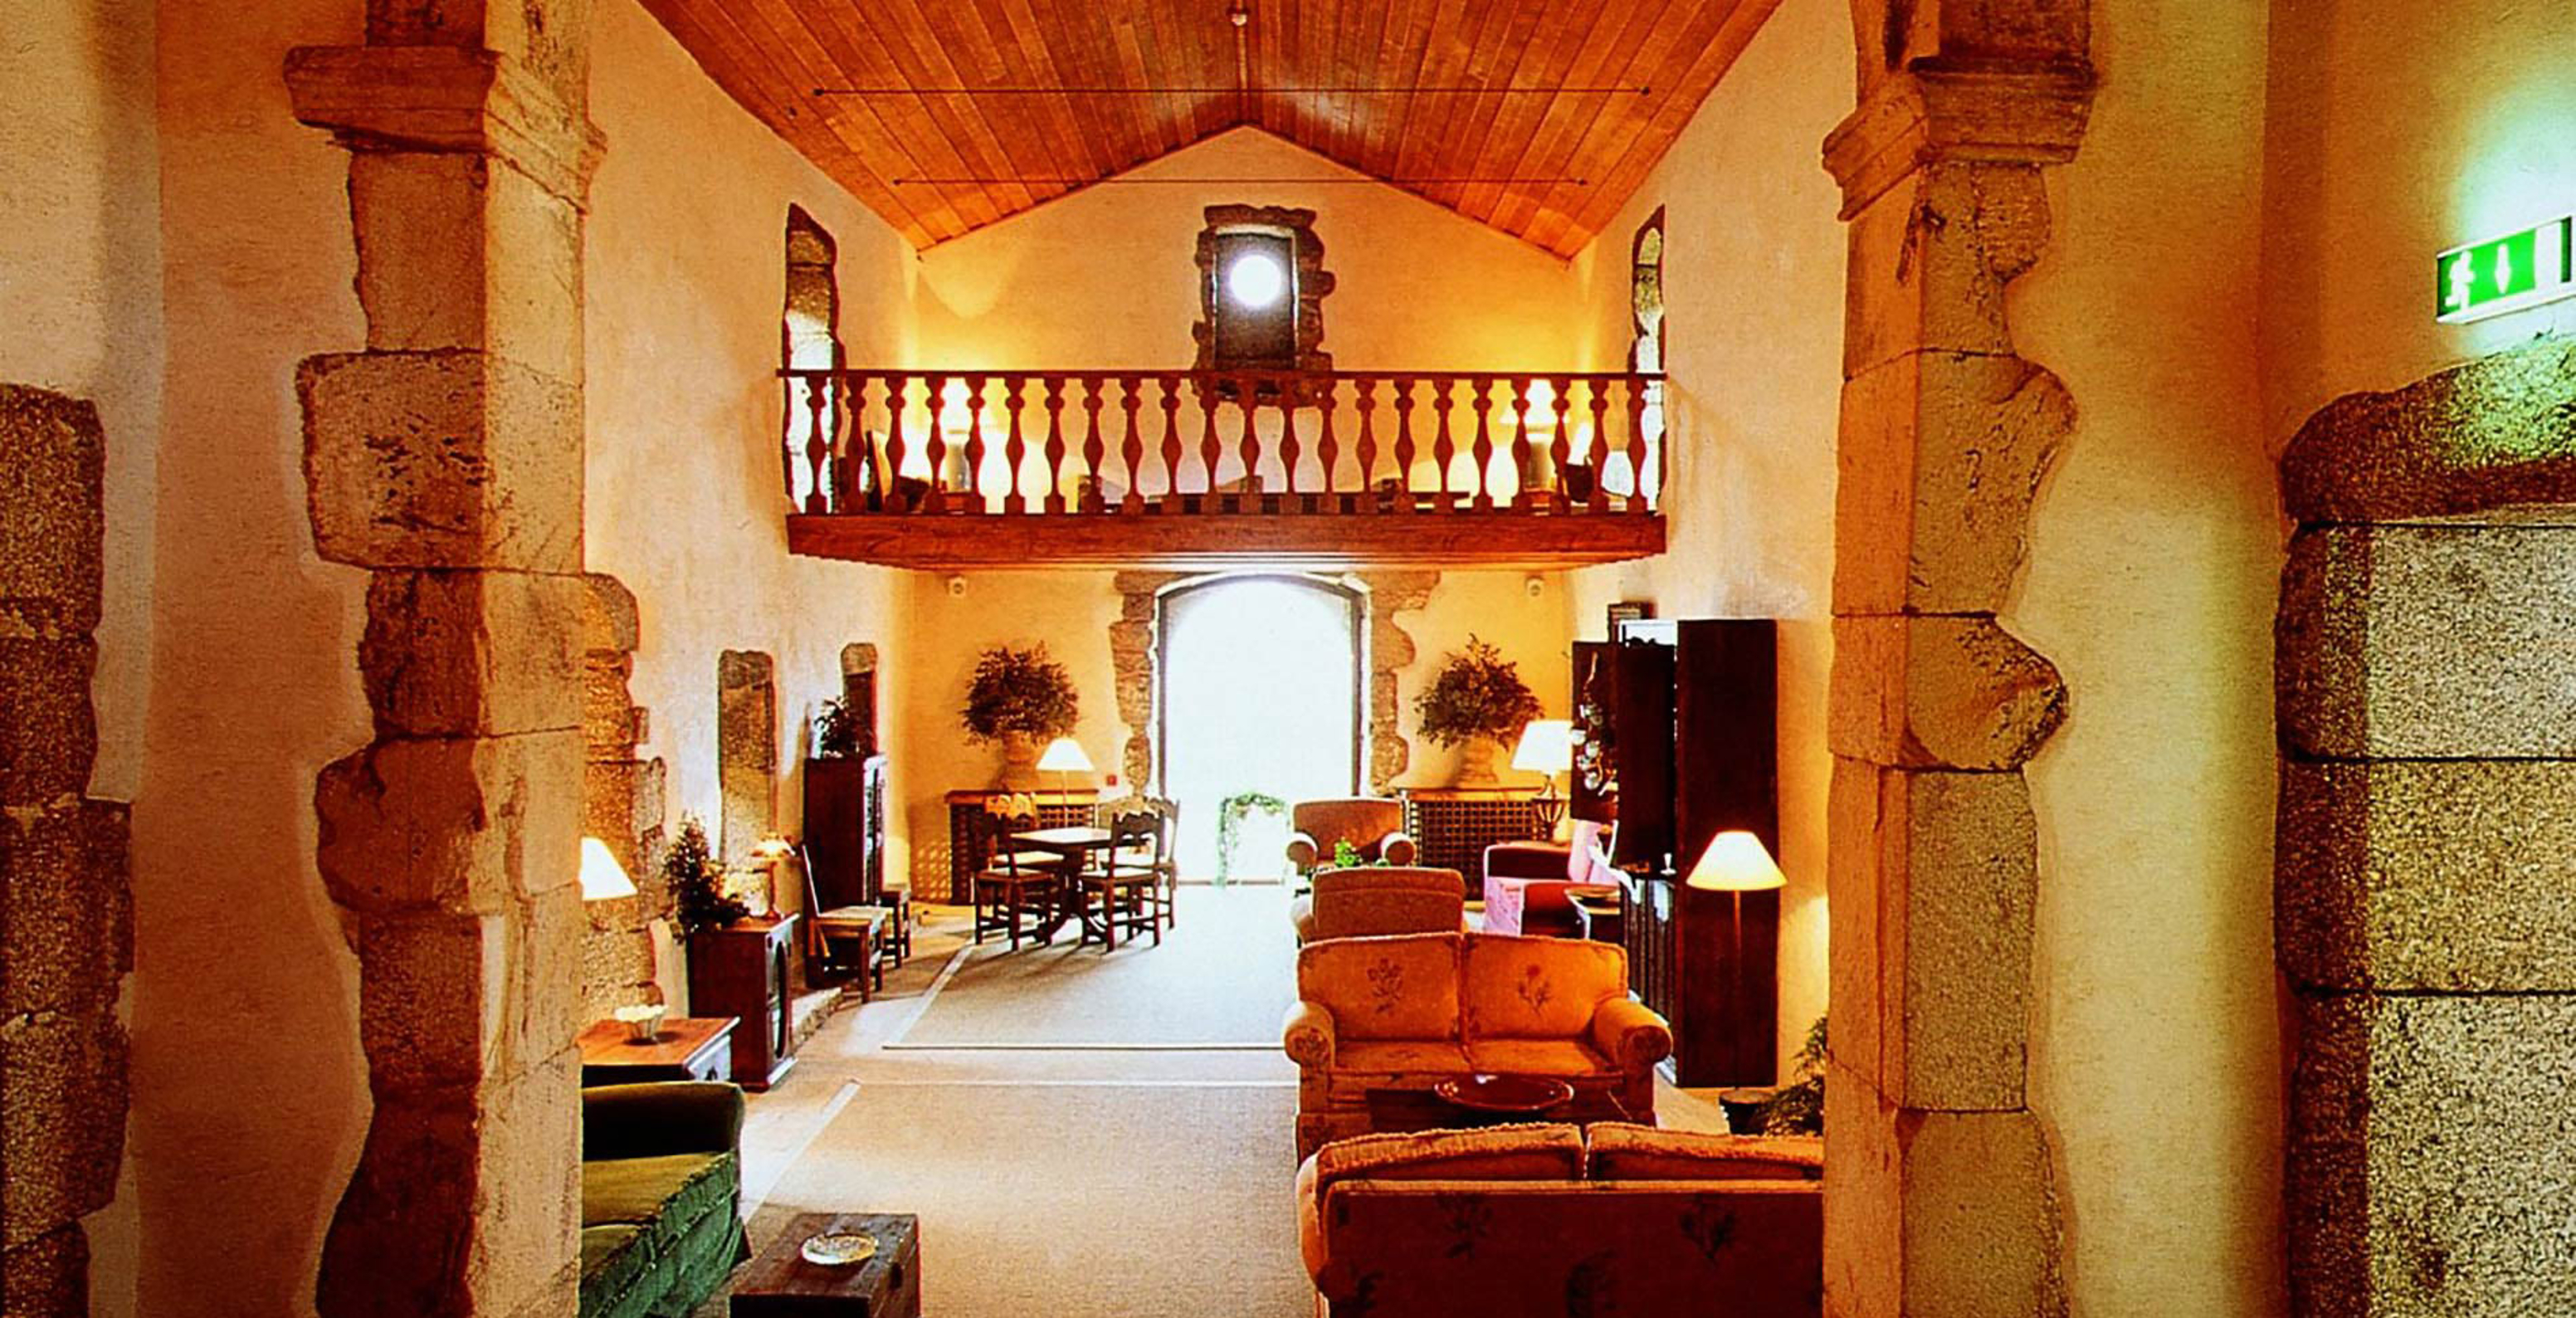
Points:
[1736,863]
[1546,747]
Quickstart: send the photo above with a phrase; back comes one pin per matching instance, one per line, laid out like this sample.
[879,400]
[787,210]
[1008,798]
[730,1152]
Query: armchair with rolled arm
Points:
[1365,900]
[1374,826]
[661,1195]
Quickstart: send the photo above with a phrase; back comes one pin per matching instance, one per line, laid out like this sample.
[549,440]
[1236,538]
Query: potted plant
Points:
[698,897]
[1478,703]
[1023,700]
[836,731]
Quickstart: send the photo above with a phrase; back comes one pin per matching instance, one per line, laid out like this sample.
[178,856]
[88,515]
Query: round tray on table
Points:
[1504,1095]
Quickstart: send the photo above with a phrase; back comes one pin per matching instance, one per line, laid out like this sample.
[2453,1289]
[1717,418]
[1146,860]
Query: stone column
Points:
[2427,848]
[622,804]
[446,458]
[66,896]
[1942,1199]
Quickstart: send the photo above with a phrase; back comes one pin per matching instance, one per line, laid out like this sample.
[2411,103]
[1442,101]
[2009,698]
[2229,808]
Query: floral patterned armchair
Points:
[1399,1013]
[1373,825]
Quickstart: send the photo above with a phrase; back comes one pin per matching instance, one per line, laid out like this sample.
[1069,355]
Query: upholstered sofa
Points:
[1404,1012]
[1552,1220]
[1374,826]
[1525,883]
[1362,900]
[661,1196]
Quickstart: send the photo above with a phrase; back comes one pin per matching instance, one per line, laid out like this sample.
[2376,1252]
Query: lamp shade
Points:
[1736,861]
[602,877]
[1064,755]
[1547,746]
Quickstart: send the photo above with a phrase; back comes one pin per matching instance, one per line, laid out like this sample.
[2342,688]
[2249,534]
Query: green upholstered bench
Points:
[661,1197]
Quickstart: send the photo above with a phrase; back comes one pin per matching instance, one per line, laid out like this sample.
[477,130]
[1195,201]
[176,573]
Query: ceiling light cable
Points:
[1320,89]
[987,180]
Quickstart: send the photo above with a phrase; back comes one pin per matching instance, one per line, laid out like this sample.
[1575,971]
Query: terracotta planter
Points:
[1019,763]
[1479,762]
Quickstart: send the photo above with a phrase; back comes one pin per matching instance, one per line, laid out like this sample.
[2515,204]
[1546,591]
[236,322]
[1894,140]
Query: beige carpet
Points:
[1070,1200]
[1223,978]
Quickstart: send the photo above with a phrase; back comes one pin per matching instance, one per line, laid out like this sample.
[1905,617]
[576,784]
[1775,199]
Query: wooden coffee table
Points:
[688,1048]
[1507,1099]
[781,1284]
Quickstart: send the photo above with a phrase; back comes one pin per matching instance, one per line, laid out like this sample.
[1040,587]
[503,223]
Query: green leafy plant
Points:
[1799,1107]
[836,731]
[1020,691]
[1346,856]
[697,882]
[1230,813]
[1478,693]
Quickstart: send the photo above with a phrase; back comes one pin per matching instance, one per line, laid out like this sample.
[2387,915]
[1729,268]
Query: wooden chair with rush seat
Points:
[1016,883]
[847,941]
[1126,892]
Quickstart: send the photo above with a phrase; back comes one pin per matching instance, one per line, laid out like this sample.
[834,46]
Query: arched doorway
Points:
[1261,688]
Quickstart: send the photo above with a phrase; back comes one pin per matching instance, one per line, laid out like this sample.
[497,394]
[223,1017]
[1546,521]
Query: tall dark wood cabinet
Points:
[1679,743]
[845,828]
[740,970]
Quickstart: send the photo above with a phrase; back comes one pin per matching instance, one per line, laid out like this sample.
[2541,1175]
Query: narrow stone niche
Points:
[746,751]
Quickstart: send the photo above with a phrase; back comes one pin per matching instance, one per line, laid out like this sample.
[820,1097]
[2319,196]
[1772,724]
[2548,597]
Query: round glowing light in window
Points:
[1255,280]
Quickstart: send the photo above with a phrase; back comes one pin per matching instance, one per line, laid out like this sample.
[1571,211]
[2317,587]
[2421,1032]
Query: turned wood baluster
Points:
[1248,444]
[1288,449]
[1522,463]
[936,444]
[1327,453]
[818,444]
[1444,448]
[848,446]
[1210,399]
[897,388]
[1483,448]
[1093,451]
[1173,448]
[1598,500]
[1364,394]
[975,497]
[1053,500]
[1564,445]
[1403,444]
[1015,449]
[1636,445]
[1130,389]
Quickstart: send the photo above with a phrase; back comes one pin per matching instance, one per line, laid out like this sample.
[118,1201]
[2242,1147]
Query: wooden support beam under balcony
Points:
[947,470]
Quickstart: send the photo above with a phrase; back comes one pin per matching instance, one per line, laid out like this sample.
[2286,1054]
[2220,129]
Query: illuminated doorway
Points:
[1261,683]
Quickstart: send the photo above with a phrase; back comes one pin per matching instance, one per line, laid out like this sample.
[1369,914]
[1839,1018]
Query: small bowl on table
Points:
[643,1023]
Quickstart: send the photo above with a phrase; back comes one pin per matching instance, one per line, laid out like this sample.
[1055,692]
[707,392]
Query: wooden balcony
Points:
[954,470]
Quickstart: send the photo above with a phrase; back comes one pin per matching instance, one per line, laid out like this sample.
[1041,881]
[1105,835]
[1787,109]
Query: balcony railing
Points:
[1575,457]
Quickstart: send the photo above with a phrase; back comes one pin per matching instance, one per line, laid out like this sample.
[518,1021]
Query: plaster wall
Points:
[686,273]
[250,1095]
[1417,286]
[2155,1058]
[1072,611]
[81,275]
[1753,291]
[2396,130]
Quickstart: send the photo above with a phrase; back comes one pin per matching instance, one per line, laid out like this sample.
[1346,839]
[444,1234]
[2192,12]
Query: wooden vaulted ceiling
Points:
[1538,117]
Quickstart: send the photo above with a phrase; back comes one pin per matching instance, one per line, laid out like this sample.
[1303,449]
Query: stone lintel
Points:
[1940,691]
[443,98]
[2011,111]
[2498,433]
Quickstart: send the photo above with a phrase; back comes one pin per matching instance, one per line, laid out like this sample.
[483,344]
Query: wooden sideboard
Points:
[966,833]
[740,970]
[1452,826]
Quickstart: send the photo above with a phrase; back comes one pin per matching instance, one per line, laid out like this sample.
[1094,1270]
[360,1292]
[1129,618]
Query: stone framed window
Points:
[1262,285]
[1646,295]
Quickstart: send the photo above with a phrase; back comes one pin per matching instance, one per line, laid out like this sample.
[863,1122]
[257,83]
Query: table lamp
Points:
[772,852]
[1064,758]
[602,878]
[1546,748]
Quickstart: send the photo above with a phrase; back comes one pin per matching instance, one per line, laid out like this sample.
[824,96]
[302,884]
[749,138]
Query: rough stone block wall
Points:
[746,752]
[1943,1202]
[446,459]
[66,900]
[2426,882]
[622,805]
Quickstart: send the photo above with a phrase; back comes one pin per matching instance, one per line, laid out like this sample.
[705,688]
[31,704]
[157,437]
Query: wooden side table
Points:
[740,969]
[781,1284]
[688,1048]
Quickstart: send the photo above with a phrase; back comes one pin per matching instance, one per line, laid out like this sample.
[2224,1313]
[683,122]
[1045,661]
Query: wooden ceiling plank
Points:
[980,61]
[1405,69]
[1445,52]
[1454,115]
[1619,123]
[918,59]
[1059,55]
[723,51]
[1550,151]
[1707,67]
[1539,49]
[874,130]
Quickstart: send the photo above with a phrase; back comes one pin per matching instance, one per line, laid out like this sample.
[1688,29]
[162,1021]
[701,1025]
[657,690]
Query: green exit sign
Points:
[2521,269]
